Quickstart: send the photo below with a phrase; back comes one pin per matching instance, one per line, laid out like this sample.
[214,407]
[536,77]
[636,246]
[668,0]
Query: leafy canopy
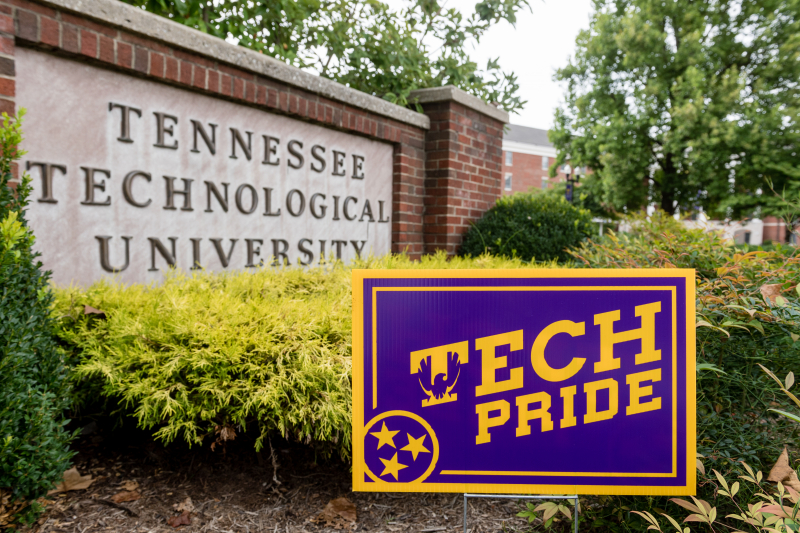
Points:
[363,44]
[685,104]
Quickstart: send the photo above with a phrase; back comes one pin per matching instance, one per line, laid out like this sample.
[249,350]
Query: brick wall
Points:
[29,24]
[433,202]
[462,172]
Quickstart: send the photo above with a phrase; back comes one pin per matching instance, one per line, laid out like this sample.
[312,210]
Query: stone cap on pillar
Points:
[451,93]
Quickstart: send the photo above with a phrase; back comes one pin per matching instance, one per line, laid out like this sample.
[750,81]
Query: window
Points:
[544,184]
[508,182]
[545,162]
[509,158]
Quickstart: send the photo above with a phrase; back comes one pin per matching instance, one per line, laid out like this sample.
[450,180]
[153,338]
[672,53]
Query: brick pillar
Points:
[463,163]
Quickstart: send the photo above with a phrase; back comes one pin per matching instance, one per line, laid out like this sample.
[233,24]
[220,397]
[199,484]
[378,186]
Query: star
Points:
[415,446]
[392,466]
[385,437]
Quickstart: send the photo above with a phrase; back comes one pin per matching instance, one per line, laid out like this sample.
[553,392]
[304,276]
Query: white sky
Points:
[541,42]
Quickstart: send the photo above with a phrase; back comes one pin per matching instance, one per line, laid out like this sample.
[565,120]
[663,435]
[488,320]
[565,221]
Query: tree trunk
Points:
[667,186]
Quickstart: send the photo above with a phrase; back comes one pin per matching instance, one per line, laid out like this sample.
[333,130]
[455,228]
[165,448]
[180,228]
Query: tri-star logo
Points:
[393,466]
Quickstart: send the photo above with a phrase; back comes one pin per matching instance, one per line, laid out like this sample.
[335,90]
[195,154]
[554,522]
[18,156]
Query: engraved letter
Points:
[169,256]
[380,212]
[196,254]
[253,198]
[253,251]
[308,253]
[186,192]
[312,205]
[236,137]
[279,256]
[225,259]
[270,149]
[338,163]
[358,167]
[47,179]
[105,262]
[268,204]
[317,152]
[211,142]
[162,130]
[223,200]
[367,212]
[347,203]
[91,185]
[125,122]
[127,189]
[295,152]
[357,247]
[338,245]
[289,201]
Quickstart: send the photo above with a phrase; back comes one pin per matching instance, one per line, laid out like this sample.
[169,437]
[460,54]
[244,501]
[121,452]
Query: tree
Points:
[685,104]
[363,43]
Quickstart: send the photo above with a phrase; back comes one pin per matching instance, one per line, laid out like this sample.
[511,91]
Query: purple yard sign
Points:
[524,381]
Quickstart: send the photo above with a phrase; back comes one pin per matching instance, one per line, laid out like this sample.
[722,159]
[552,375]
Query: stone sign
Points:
[131,176]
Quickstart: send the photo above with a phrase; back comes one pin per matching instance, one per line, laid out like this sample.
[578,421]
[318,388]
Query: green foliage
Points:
[34,449]
[528,226]
[363,43]
[587,194]
[550,512]
[738,329]
[685,104]
[268,351]
[758,507]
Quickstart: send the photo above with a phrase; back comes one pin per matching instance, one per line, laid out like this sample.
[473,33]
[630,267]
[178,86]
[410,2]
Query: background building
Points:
[527,157]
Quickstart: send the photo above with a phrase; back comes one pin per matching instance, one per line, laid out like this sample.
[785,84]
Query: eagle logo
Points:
[437,370]
[443,383]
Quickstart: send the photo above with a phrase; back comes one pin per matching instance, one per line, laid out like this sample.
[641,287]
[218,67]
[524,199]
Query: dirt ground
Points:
[234,490]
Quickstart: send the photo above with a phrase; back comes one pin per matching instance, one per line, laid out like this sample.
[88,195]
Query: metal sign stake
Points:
[523,497]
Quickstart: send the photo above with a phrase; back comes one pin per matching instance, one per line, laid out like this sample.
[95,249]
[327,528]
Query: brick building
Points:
[527,158]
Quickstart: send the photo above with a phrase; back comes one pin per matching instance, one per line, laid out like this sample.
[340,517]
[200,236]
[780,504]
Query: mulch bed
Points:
[233,489]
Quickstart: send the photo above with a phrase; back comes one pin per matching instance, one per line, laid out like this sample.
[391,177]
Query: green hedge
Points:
[529,226]
[34,446]
[267,352]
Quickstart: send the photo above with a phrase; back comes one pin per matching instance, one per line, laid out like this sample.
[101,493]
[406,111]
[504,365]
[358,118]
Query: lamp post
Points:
[571,181]
[568,193]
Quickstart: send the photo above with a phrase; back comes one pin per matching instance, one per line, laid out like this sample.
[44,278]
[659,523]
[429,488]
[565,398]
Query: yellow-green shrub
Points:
[267,351]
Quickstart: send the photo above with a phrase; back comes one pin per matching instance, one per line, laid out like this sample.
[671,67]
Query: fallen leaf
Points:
[183,520]
[186,506]
[771,292]
[130,485]
[89,310]
[126,496]
[339,513]
[73,481]
[9,509]
[784,473]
